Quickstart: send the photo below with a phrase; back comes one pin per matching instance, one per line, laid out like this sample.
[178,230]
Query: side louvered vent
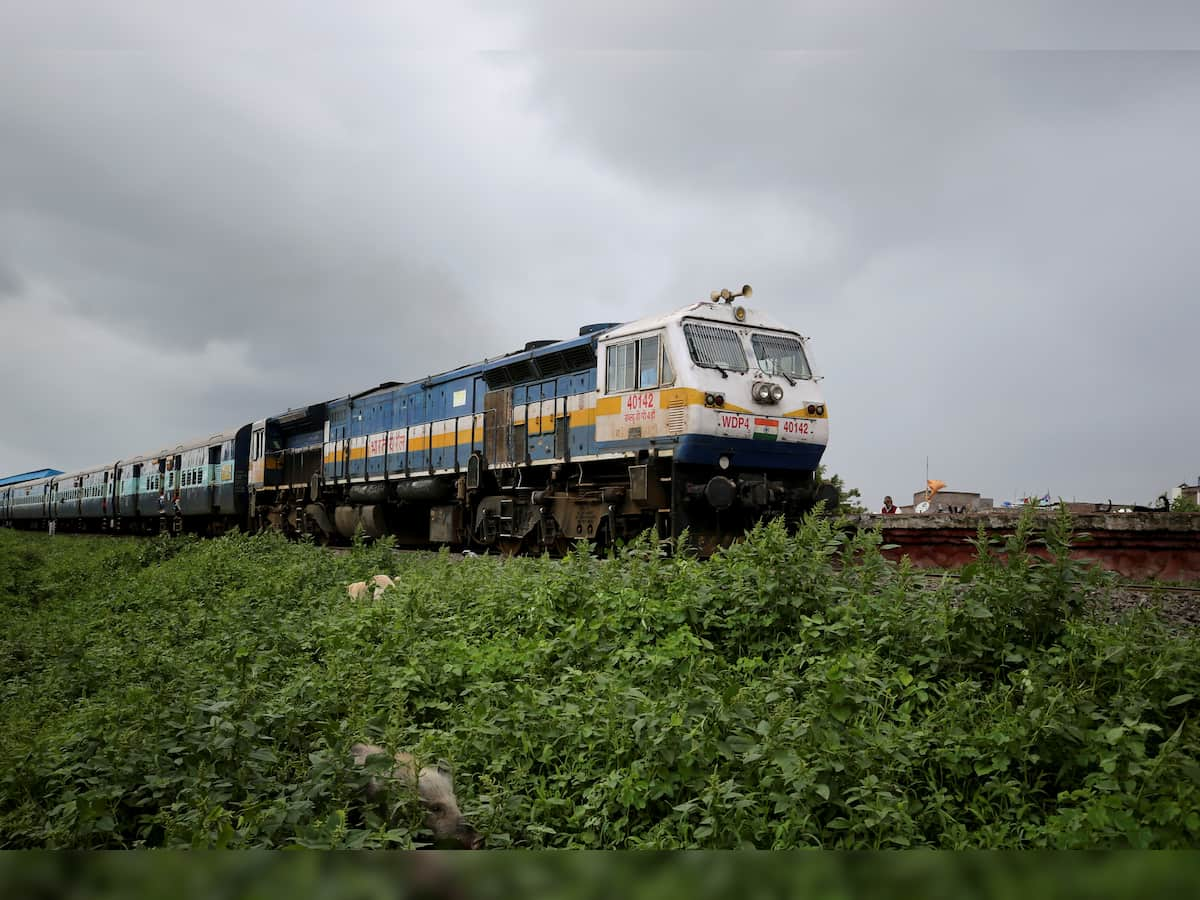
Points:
[549,364]
[676,415]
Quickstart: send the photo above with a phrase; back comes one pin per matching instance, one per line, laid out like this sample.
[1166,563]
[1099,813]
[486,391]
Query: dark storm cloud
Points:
[209,215]
[877,146]
[993,250]
[713,27]
[242,218]
[11,283]
[179,213]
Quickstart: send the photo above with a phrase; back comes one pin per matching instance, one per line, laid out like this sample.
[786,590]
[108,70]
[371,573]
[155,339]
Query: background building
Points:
[1191,491]
[945,501]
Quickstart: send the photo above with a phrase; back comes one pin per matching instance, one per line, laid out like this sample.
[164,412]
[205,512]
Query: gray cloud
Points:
[713,28]
[992,250]
[205,218]
[11,283]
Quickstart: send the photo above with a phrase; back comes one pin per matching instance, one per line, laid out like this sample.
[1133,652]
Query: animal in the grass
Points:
[382,583]
[357,591]
[434,789]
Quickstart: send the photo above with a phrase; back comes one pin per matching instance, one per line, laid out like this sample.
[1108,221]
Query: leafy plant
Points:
[849,499]
[794,690]
[1185,503]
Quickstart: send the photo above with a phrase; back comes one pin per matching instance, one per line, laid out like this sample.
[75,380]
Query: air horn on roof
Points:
[723,295]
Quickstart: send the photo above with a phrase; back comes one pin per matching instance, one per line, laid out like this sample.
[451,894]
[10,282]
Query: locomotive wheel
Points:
[510,546]
[319,537]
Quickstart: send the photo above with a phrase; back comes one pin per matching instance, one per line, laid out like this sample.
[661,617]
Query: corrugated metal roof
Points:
[29,476]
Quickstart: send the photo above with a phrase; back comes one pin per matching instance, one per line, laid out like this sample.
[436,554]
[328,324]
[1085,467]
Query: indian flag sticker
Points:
[766,429]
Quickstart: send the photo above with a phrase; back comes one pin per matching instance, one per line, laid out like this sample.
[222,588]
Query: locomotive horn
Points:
[724,295]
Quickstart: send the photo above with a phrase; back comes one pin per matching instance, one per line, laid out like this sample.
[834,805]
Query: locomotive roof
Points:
[721,313]
[564,353]
[559,357]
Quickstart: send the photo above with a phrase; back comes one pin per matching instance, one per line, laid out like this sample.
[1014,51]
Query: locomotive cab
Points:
[730,397]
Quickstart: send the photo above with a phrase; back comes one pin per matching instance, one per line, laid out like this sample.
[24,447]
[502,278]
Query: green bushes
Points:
[792,691]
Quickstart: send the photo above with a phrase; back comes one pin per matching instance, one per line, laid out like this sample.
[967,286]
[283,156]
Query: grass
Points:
[794,691]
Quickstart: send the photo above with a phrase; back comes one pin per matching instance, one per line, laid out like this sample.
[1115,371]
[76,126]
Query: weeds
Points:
[795,690]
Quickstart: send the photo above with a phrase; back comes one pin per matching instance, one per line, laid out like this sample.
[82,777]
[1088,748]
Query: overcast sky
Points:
[212,212]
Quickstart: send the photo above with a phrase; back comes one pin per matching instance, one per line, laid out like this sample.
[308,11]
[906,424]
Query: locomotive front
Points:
[730,396]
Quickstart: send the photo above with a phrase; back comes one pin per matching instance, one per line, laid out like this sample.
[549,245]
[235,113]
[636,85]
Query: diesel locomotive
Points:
[706,419]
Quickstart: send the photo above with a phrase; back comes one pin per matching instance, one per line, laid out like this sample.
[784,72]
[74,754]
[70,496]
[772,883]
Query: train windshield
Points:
[778,355]
[715,348]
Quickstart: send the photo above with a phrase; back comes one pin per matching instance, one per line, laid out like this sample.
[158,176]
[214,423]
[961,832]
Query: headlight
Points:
[723,462]
[709,400]
[765,392]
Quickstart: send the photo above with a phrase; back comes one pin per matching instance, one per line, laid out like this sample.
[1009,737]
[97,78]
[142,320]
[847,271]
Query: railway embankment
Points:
[1141,545]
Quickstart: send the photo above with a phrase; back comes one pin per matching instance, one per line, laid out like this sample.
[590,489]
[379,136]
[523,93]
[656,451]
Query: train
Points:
[704,420]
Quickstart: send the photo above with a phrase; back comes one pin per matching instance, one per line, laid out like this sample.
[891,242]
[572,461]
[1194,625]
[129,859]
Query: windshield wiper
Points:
[724,374]
[788,377]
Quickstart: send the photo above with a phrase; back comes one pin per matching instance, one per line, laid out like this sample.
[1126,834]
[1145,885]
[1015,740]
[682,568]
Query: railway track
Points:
[1177,604]
[937,574]
[1181,589]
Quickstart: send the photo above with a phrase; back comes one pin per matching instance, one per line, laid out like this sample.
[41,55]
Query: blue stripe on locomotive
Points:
[746,453]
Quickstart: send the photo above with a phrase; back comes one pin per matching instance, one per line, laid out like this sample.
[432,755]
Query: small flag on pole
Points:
[932,487]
